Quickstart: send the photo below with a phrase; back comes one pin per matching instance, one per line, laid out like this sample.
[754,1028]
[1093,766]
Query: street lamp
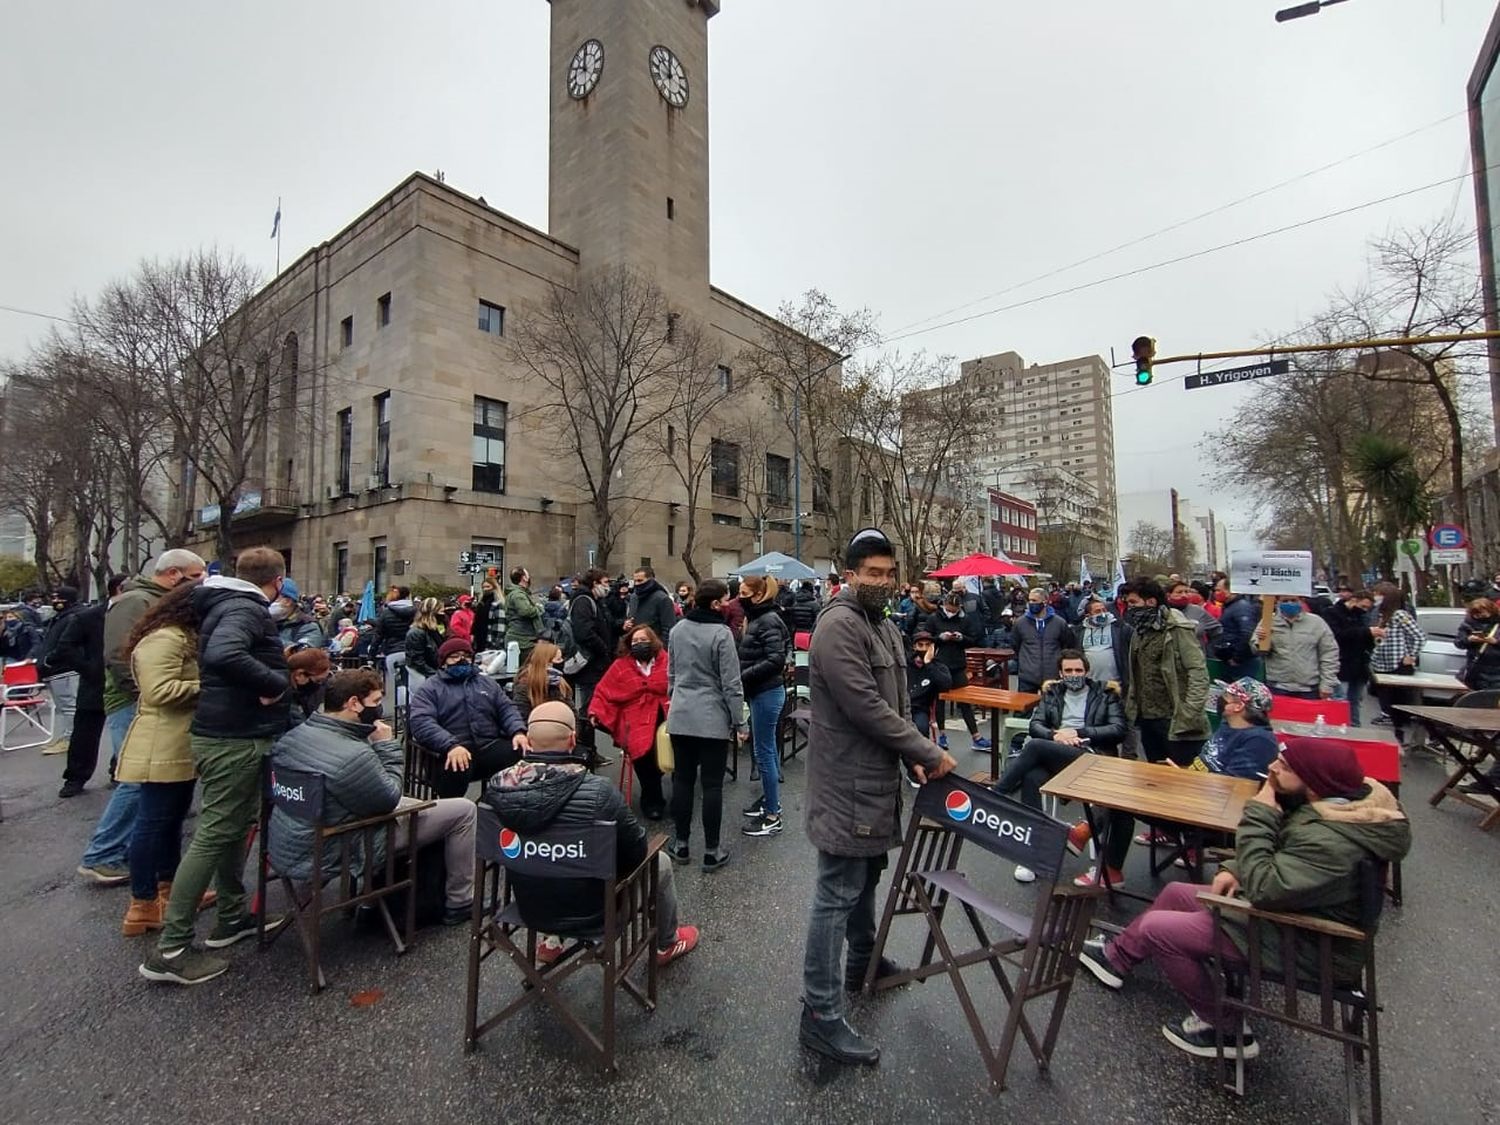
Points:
[1312,8]
[797,454]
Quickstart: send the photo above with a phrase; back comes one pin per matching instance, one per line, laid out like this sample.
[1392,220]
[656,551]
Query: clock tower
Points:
[628,160]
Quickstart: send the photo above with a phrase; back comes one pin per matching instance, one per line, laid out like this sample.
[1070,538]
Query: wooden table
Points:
[1432,682]
[998,701]
[1449,726]
[1212,802]
[975,660]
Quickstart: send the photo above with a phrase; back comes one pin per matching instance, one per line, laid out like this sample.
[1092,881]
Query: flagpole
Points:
[278,236]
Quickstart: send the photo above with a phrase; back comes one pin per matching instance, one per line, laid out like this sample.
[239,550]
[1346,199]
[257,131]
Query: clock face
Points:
[671,80]
[585,69]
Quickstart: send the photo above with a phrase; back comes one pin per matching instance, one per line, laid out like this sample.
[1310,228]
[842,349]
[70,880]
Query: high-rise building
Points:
[408,432]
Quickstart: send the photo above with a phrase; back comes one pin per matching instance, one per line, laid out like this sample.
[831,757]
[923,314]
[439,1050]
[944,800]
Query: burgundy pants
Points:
[1177,932]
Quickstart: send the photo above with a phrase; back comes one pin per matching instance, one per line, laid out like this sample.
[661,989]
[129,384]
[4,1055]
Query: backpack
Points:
[560,632]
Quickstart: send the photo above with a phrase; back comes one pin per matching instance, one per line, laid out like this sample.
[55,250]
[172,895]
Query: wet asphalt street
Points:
[84,1039]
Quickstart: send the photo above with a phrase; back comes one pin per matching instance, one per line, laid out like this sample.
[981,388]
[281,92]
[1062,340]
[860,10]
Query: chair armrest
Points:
[374,821]
[1300,921]
[654,845]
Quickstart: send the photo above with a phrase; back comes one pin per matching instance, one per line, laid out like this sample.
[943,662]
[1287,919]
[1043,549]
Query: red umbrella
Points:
[981,566]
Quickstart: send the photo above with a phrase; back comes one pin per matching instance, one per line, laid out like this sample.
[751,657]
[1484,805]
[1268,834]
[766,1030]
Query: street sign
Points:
[1409,547]
[1448,536]
[1449,556]
[477,558]
[1271,572]
[471,568]
[1236,374]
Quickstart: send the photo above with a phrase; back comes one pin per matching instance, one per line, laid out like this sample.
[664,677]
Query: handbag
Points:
[666,761]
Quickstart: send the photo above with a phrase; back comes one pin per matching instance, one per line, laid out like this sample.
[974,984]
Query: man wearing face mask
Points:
[362,764]
[1303,660]
[466,721]
[1041,635]
[1183,598]
[1168,676]
[859,735]
[592,633]
[294,624]
[954,632]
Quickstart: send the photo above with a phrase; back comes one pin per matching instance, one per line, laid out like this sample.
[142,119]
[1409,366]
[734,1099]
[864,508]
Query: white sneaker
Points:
[1025,874]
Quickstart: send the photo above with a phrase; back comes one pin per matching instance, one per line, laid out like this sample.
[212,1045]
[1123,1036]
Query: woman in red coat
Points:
[629,703]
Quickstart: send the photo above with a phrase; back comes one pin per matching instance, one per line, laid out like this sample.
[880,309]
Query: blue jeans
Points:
[843,911]
[765,711]
[1352,691]
[156,844]
[111,840]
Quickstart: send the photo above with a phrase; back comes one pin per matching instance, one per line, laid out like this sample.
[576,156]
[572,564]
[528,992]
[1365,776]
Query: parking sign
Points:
[1448,537]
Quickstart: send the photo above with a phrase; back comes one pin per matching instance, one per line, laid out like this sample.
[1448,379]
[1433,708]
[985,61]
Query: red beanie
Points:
[1329,769]
[455,644]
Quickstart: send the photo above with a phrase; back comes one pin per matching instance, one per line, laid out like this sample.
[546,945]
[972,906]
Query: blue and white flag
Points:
[276,222]
[1084,577]
[1119,575]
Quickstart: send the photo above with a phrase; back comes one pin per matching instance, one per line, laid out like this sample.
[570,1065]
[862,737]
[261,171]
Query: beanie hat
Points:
[68,595]
[453,645]
[1328,768]
[289,589]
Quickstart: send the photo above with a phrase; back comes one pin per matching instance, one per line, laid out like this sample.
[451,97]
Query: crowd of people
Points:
[200,680]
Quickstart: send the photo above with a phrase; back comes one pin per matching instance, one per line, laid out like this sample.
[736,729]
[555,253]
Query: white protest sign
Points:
[1271,572]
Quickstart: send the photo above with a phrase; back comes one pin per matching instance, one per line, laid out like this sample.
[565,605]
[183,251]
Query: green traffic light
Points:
[1143,377]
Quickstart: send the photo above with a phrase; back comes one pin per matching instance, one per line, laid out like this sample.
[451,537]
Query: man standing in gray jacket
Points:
[1303,661]
[860,733]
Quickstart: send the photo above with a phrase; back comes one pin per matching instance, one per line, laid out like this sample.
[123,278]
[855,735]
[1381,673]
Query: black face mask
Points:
[369,715]
[642,653]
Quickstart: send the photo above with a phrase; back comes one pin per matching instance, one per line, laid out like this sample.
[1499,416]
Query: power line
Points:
[42,315]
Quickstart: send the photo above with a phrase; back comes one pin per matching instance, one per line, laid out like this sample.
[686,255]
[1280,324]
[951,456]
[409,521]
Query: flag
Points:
[1119,574]
[276,222]
[367,602]
[1084,577]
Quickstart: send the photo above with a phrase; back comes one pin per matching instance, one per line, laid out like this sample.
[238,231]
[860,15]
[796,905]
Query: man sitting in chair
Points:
[361,763]
[552,785]
[464,717]
[1298,849]
[1077,715]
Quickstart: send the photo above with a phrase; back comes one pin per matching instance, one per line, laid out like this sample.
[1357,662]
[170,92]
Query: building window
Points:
[671,440]
[491,319]
[724,459]
[383,311]
[378,557]
[671,209]
[672,319]
[341,568]
[726,521]
[346,449]
[726,379]
[778,480]
[489,445]
[671,539]
[823,490]
[383,438]
[346,332]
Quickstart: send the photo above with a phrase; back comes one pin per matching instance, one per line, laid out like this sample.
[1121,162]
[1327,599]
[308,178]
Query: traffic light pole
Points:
[1338,346]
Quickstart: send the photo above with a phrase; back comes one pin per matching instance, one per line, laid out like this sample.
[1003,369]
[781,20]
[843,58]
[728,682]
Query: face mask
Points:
[1221,597]
[1177,601]
[1141,615]
[1290,609]
[1099,620]
[642,652]
[949,611]
[600,591]
[872,598]
[1074,683]
[369,715]
[459,672]
[280,611]
[1379,598]
[1036,609]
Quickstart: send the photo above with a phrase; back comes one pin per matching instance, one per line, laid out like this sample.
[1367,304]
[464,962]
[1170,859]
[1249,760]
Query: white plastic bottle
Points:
[1320,726]
[513,658]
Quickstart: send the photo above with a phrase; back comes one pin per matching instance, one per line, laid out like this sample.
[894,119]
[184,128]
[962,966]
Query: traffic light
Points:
[1144,350]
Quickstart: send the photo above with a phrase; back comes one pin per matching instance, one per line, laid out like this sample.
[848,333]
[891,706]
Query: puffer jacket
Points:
[447,713]
[157,746]
[1103,715]
[1238,621]
[1039,642]
[304,628]
[652,606]
[764,648]
[76,644]
[360,780]
[422,649]
[392,622]
[240,662]
[951,653]
[803,615]
[531,796]
[860,732]
[1307,862]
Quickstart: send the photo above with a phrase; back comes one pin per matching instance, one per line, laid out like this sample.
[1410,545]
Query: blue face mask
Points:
[459,672]
[1036,609]
[1290,609]
[1099,620]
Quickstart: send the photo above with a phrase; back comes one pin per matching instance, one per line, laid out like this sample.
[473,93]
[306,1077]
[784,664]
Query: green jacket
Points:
[1307,862]
[1186,677]
[138,595]
[523,617]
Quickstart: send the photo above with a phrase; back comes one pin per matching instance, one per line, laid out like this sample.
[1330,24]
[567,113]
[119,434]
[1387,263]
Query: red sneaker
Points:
[548,949]
[687,941]
[1079,836]
[1092,879]
[1156,834]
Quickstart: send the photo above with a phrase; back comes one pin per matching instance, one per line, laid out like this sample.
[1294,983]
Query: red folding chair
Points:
[29,710]
[1289,710]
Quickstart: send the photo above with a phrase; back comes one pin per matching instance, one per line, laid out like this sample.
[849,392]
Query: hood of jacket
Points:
[220,589]
[529,795]
[1374,821]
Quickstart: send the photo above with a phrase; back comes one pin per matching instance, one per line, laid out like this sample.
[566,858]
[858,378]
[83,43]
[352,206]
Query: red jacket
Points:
[461,624]
[629,705]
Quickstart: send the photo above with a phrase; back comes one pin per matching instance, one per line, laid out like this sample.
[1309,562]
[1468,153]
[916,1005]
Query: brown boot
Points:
[164,896]
[144,914]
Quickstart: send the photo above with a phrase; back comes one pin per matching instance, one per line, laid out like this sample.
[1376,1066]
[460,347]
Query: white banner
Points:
[1271,572]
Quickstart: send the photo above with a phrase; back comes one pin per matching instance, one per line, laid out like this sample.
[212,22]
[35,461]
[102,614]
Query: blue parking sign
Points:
[1447,536]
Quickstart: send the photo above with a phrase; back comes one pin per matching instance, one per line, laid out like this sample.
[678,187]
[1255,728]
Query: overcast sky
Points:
[909,156]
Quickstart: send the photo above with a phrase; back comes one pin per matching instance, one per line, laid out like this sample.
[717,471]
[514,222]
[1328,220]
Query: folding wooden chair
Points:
[627,935]
[1344,1007]
[1042,949]
[300,795]
[30,715]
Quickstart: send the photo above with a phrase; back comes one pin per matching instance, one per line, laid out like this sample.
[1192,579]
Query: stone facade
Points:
[393,305]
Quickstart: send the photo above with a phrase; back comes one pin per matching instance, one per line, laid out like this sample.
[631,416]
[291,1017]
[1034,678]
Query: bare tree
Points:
[31,471]
[604,358]
[1151,547]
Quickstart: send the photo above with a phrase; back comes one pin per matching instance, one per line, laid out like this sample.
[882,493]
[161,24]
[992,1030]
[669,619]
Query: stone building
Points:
[409,434]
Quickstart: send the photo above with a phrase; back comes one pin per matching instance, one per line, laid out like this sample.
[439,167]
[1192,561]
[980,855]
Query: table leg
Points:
[1466,765]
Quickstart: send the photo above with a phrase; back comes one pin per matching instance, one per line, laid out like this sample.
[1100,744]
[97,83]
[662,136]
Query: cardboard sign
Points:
[1271,572]
[997,824]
